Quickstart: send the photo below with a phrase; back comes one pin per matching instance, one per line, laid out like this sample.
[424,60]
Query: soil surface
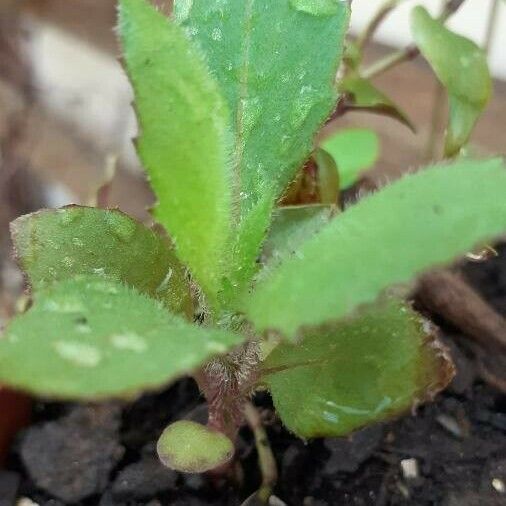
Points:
[449,453]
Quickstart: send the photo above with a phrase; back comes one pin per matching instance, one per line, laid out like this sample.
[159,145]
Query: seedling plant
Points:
[240,291]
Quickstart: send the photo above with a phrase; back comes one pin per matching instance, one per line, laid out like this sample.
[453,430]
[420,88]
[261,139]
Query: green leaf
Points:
[356,372]
[55,245]
[278,92]
[243,263]
[423,220]
[91,338]
[462,68]
[328,182]
[184,143]
[364,96]
[354,150]
[292,226]
[190,447]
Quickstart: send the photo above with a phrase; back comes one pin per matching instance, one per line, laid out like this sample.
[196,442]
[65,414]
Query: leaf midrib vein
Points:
[243,96]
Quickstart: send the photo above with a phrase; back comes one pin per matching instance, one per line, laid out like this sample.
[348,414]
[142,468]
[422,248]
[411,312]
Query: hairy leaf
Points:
[360,371]
[291,227]
[190,447]
[279,93]
[364,96]
[354,150]
[90,338]
[245,250]
[55,245]
[462,68]
[423,220]
[184,140]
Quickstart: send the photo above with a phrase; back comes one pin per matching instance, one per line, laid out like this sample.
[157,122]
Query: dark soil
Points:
[450,453]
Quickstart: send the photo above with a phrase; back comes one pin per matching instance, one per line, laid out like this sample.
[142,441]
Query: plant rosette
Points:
[238,292]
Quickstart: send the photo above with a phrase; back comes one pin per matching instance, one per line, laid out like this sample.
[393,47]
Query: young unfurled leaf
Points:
[278,91]
[356,372]
[423,220]
[328,183]
[190,447]
[462,68]
[364,96]
[55,245]
[354,150]
[91,338]
[317,182]
[184,141]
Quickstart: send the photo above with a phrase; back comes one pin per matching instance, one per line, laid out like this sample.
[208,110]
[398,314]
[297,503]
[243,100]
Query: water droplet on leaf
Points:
[182,9]
[302,106]
[129,341]
[83,328]
[68,216]
[81,354]
[64,306]
[68,262]
[216,34]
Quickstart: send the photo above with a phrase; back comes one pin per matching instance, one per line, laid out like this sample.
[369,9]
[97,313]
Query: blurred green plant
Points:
[247,294]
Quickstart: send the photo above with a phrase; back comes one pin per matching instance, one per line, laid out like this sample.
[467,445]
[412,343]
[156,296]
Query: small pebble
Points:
[409,469]
[143,479]
[276,501]
[71,458]
[24,501]
[451,425]
[499,485]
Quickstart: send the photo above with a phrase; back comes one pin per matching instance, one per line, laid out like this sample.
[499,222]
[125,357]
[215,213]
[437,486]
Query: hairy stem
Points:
[448,295]
[227,383]
[266,458]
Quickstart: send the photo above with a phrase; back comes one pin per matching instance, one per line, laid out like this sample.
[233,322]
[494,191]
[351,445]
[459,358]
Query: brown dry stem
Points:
[449,296]
[446,294]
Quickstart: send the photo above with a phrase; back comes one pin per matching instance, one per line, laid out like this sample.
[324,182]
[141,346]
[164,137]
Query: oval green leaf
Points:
[423,220]
[354,150]
[462,68]
[278,96]
[190,447]
[357,372]
[90,338]
[278,93]
[364,96]
[184,140]
[55,245]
